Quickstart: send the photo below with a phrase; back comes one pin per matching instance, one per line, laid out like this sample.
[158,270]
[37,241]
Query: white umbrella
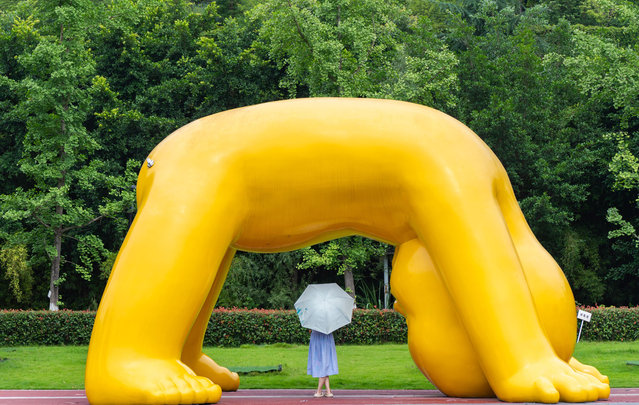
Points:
[324,307]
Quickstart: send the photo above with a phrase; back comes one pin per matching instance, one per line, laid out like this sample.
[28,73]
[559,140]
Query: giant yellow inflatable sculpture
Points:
[489,312]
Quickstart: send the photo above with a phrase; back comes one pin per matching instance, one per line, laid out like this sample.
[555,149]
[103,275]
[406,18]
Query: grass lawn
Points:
[361,367]
[610,358]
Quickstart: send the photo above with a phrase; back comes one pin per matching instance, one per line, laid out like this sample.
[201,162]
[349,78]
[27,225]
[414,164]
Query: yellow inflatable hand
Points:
[489,311]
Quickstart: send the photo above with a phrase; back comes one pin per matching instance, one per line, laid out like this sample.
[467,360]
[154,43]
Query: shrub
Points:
[23,328]
[611,323]
[235,327]
[373,326]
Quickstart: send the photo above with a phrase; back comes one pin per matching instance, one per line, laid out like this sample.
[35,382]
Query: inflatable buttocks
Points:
[489,312]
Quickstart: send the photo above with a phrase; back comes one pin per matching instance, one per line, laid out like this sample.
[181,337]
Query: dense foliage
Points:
[87,88]
[235,327]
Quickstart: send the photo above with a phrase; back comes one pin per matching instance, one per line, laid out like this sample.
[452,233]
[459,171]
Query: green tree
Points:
[54,101]
[343,256]
[542,93]
[625,168]
[17,36]
[18,273]
[87,86]
[508,99]
[600,72]
[166,63]
[264,281]
[344,48]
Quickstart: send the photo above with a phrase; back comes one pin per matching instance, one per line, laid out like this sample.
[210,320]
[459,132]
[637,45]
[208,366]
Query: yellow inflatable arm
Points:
[489,312]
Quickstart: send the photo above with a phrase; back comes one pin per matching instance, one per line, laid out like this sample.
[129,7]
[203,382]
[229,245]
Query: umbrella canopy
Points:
[324,307]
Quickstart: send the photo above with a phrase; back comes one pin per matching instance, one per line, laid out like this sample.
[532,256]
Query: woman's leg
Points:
[320,384]
[328,387]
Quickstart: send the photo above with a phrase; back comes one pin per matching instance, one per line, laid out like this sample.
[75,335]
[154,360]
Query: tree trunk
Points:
[349,283]
[57,244]
[55,267]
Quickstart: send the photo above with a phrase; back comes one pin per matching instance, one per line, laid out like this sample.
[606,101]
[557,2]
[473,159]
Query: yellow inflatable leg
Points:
[192,354]
[550,290]
[502,323]
[437,340]
[146,315]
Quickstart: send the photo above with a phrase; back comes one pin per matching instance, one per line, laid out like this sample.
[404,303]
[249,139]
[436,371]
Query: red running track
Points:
[620,396]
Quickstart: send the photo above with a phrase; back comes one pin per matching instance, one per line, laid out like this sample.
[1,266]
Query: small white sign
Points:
[584,315]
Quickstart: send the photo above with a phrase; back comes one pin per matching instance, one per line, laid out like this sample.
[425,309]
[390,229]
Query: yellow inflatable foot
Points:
[549,381]
[204,366]
[586,369]
[131,380]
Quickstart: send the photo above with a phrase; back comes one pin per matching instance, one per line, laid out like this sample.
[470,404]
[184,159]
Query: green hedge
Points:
[26,328]
[234,327]
[227,327]
[611,323]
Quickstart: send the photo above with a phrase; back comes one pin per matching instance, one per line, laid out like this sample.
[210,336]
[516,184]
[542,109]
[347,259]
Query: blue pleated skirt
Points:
[322,358]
